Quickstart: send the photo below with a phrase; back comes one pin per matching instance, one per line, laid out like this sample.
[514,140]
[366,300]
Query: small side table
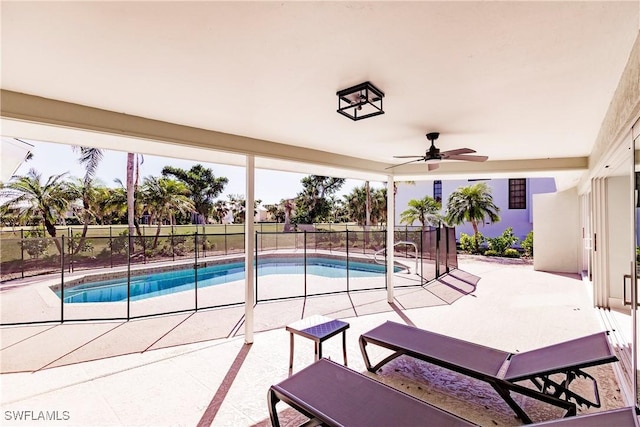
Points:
[319,329]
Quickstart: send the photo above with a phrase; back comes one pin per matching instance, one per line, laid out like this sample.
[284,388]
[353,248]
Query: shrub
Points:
[491,252]
[87,246]
[501,243]
[511,253]
[527,245]
[469,244]
[119,244]
[35,244]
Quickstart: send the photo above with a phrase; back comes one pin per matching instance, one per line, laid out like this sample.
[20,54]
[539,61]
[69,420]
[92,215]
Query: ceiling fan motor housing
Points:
[433,153]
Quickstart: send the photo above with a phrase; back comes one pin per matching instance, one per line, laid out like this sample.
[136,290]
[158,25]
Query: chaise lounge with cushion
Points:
[502,370]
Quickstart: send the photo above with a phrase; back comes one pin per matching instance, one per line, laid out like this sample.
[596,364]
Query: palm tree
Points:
[47,201]
[238,205]
[276,212]
[395,188]
[379,205]
[202,184]
[162,197]
[473,203]
[90,158]
[220,210]
[110,203]
[131,198]
[356,202]
[424,210]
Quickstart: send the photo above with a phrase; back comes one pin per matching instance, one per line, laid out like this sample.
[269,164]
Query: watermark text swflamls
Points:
[30,415]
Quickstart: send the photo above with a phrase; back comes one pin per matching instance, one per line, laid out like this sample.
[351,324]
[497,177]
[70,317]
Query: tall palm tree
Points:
[131,199]
[48,201]
[357,205]
[379,205]
[367,204]
[424,210]
[203,185]
[90,158]
[473,204]
[162,197]
[395,188]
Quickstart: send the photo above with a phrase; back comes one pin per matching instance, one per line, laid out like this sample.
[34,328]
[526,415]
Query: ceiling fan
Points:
[433,155]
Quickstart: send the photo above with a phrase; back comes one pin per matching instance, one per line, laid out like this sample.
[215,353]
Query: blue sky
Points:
[271,186]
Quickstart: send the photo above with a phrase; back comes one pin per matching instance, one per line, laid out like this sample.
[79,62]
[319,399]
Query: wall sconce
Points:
[360,101]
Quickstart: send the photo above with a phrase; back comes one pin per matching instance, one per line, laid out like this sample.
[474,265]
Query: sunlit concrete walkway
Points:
[194,368]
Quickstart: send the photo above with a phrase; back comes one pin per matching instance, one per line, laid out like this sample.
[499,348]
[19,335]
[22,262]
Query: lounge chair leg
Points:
[273,413]
[344,346]
[506,395]
[380,364]
[290,353]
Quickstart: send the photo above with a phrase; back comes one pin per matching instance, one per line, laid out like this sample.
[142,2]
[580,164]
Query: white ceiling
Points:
[512,80]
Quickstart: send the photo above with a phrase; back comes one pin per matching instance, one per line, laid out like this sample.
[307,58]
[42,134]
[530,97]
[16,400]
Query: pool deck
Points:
[195,368]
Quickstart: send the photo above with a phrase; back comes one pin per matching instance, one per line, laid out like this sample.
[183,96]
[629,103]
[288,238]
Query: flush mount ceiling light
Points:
[360,101]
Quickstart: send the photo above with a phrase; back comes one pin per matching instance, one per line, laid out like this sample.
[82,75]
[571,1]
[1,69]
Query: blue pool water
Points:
[168,282]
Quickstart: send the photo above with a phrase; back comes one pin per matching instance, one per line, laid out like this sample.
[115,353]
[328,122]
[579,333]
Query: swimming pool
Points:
[167,282]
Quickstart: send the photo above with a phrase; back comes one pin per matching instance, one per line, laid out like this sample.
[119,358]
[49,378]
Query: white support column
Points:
[391,224]
[249,250]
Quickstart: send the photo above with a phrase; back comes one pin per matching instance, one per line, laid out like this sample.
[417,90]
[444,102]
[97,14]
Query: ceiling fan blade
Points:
[406,163]
[433,166]
[408,157]
[458,151]
[468,158]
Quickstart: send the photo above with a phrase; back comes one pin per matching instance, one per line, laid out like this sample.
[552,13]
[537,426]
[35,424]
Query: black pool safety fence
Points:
[75,278]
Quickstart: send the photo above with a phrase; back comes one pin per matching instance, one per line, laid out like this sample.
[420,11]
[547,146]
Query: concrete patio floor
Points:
[194,368]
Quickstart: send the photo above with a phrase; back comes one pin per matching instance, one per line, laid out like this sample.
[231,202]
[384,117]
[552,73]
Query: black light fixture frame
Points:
[351,101]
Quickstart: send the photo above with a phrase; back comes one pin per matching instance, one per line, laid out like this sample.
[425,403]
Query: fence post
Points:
[111,246]
[144,245]
[386,254]
[129,240]
[195,267]
[305,261]
[437,252]
[257,271]
[173,251]
[446,255]
[62,280]
[22,252]
[70,235]
[347,245]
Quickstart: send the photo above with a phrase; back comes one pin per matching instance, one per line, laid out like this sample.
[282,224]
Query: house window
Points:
[517,194]
[437,191]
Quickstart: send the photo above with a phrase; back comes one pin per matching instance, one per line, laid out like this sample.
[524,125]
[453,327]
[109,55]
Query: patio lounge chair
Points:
[502,370]
[623,417]
[333,395]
